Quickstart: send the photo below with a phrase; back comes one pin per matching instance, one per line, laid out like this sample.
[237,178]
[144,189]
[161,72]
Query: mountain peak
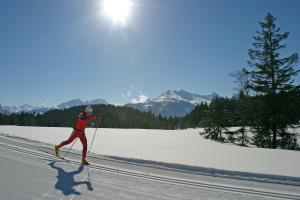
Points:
[182,95]
[96,101]
[177,102]
[79,102]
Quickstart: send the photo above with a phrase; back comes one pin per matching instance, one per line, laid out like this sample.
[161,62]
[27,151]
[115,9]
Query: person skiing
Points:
[83,120]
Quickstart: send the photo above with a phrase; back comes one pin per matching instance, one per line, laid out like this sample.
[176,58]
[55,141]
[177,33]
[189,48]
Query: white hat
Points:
[88,109]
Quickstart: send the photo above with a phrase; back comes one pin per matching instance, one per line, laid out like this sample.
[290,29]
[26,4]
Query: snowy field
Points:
[184,147]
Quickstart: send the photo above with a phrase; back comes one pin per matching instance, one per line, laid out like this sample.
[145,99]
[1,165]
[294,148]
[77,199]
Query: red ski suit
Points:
[81,124]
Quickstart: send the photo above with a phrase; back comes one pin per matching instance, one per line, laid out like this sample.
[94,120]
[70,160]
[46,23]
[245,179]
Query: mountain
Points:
[69,104]
[15,109]
[170,103]
[41,109]
[96,101]
[78,102]
[173,103]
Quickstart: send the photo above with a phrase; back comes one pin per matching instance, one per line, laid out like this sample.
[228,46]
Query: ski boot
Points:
[57,150]
[84,162]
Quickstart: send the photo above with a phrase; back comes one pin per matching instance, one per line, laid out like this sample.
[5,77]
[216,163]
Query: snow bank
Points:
[184,147]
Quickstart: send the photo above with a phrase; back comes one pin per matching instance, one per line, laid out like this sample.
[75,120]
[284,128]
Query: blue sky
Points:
[56,50]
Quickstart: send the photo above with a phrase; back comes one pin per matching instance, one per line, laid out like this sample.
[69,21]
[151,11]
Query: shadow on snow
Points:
[66,182]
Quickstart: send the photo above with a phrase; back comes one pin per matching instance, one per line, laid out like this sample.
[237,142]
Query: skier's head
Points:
[88,110]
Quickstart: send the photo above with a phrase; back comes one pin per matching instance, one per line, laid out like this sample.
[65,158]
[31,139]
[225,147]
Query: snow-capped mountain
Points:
[181,95]
[25,108]
[41,109]
[78,102]
[173,103]
[170,103]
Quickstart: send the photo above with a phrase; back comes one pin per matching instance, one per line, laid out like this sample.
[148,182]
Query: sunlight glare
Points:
[117,10]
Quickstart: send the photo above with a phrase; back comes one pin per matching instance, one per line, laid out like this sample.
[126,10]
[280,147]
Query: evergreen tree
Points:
[217,119]
[197,115]
[271,75]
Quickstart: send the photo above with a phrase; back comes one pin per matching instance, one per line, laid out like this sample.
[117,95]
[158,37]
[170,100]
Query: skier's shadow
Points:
[66,182]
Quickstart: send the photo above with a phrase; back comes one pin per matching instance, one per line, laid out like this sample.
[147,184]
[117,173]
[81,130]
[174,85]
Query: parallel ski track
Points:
[155,177]
[100,157]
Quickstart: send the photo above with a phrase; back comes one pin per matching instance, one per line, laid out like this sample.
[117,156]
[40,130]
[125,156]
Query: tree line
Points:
[112,117]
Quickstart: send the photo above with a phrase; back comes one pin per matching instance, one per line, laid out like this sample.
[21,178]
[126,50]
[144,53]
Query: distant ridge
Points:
[41,109]
[173,103]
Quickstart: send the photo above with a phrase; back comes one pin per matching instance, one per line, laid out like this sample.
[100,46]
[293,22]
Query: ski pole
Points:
[94,137]
[69,149]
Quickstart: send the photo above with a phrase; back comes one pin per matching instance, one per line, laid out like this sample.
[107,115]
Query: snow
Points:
[198,101]
[29,170]
[180,95]
[170,96]
[35,178]
[184,147]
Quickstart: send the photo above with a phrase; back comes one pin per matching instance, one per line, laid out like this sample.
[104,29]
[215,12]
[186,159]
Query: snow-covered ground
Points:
[29,170]
[185,147]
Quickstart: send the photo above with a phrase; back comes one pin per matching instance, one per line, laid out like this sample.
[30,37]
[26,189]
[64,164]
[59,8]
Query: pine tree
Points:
[217,119]
[195,117]
[271,75]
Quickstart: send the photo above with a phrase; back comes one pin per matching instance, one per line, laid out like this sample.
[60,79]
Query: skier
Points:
[83,120]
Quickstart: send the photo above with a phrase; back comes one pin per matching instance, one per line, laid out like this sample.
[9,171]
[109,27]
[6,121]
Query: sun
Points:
[117,10]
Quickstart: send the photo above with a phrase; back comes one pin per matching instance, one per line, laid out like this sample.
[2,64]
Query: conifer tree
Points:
[217,119]
[271,75]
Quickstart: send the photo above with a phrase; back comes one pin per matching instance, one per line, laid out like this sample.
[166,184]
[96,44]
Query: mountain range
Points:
[170,103]
[173,103]
[41,109]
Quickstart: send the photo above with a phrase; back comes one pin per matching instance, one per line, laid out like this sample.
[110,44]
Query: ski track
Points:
[169,180]
[264,178]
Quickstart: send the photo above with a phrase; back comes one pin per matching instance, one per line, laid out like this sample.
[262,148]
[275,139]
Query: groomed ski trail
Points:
[152,177]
